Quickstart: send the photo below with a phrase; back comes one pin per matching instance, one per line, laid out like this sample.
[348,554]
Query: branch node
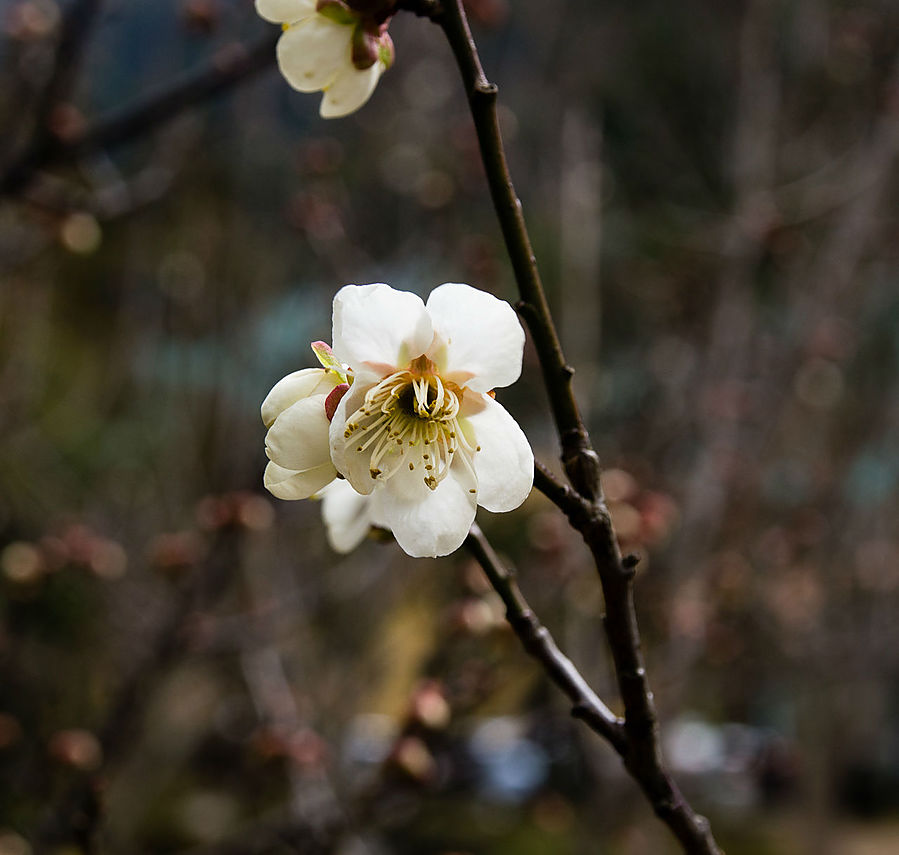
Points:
[629,564]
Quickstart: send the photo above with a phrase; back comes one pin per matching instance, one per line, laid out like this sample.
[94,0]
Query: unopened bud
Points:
[77,748]
[429,706]
[411,756]
[365,47]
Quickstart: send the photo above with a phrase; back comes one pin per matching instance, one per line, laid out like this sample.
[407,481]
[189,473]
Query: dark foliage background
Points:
[185,666]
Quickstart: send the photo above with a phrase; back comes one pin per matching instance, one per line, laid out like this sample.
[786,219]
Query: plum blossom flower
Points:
[327,46]
[419,429]
[348,515]
[296,412]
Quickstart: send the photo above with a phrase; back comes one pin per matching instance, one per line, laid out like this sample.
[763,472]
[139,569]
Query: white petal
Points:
[378,328]
[288,484]
[311,53]
[351,464]
[285,11]
[483,337]
[349,91]
[505,463]
[428,523]
[298,439]
[347,515]
[288,390]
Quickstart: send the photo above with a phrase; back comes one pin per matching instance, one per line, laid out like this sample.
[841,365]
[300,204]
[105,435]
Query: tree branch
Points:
[226,68]
[578,457]
[584,506]
[538,642]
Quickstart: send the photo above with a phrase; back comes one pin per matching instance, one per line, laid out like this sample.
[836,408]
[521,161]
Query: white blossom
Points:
[419,429]
[316,52]
[348,515]
[296,414]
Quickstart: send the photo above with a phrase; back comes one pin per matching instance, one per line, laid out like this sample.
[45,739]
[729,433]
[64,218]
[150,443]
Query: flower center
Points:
[411,418]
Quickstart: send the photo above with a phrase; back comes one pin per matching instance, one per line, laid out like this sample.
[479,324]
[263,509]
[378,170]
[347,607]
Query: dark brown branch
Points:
[226,68]
[578,457]
[538,642]
[584,506]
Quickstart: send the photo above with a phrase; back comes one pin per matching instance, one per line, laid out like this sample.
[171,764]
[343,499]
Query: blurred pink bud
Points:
[77,748]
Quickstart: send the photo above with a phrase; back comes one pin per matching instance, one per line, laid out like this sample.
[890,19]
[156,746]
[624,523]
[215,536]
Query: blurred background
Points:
[185,666]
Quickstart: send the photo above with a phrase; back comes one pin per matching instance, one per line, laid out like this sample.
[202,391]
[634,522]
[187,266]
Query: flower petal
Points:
[311,53]
[505,463]
[347,515]
[289,484]
[483,337]
[378,328]
[428,523]
[285,11]
[298,439]
[349,91]
[288,390]
[353,465]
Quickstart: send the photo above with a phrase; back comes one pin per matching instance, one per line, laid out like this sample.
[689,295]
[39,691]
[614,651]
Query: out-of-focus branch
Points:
[584,506]
[77,816]
[228,67]
[732,329]
[540,644]
[77,22]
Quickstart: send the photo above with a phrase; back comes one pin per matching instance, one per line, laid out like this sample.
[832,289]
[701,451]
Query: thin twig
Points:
[537,641]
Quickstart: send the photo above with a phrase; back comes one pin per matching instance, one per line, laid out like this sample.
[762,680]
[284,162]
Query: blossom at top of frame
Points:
[329,47]
[419,429]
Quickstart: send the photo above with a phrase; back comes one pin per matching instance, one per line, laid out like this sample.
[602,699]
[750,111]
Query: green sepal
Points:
[386,52]
[337,11]
[329,362]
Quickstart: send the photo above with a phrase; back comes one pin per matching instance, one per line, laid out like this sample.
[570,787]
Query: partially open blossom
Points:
[329,47]
[296,414]
[419,429]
